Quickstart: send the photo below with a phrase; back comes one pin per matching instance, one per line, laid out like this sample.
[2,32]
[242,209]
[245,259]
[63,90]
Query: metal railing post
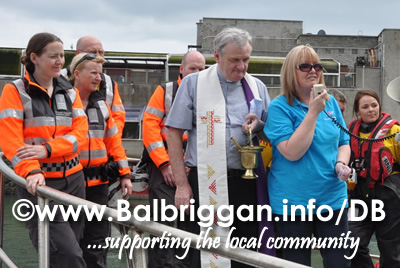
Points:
[43,235]
[124,230]
[139,254]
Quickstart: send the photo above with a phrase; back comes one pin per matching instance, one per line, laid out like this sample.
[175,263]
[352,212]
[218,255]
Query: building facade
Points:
[365,61]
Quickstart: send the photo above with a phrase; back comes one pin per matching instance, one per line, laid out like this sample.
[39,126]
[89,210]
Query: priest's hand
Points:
[254,122]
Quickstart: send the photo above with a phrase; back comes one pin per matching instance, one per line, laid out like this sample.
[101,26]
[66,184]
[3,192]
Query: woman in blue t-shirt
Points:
[310,157]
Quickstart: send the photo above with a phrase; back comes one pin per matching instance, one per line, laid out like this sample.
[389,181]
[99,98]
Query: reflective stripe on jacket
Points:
[154,130]
[29,116]
[109,90]
[102,139]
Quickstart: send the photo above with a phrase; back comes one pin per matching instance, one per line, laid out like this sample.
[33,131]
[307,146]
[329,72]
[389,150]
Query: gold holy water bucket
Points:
[249,157]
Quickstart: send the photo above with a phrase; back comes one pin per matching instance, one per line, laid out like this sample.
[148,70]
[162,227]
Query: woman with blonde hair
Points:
[310,157]
[102,156]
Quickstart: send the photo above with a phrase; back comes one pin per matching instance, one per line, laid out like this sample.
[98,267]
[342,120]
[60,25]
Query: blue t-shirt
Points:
[313,175]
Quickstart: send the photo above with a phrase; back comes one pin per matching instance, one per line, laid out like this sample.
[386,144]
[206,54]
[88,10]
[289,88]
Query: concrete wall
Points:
[390,57]
[277,37]
[344,49]
[368,77]
[270,37]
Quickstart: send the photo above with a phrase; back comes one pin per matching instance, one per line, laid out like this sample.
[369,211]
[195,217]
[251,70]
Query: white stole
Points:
[211,156]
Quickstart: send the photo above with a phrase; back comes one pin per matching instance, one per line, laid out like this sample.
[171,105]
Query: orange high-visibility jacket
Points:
[154,130]
[109,89]
[102,139]
[29,116]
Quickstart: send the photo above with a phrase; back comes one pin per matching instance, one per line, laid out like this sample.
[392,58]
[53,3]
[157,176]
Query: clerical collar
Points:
[223,79]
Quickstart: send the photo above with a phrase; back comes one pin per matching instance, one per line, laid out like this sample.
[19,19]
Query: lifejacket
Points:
[30,116]
[154,130]
[102,143]
[371,159]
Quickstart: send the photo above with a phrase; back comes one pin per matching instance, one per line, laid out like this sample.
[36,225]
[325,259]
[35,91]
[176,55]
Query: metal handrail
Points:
[6,260]
[241,255]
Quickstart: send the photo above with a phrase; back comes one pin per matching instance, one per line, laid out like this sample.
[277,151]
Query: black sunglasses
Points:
[306,67]
[88,56]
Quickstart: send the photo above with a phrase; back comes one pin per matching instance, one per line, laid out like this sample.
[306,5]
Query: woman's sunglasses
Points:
[306,67]
[88,56]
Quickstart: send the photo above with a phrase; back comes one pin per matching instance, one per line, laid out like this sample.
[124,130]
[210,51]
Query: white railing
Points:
[139,227]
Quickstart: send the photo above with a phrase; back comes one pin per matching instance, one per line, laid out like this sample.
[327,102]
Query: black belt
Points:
[230,172]
[95,173]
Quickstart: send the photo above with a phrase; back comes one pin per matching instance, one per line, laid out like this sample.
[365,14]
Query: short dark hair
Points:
[36,45]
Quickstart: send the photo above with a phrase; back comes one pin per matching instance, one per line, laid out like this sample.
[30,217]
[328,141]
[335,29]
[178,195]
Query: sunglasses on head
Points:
[306,67]
[88,56]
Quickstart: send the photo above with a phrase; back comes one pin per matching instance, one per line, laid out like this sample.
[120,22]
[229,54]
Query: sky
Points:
[169,26]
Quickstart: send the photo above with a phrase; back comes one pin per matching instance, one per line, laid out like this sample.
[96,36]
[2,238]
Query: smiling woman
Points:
[102,156]
[86,74]
[311,153]
[377,166]
[44,116]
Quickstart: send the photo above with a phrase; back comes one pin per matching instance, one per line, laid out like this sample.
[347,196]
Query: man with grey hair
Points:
[214,105]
